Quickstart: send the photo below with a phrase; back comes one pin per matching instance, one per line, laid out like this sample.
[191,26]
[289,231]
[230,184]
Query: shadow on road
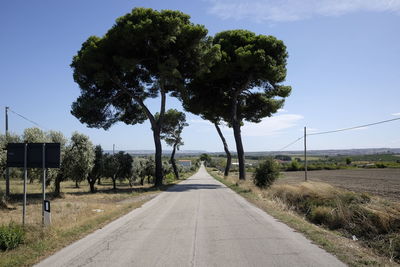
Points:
[188,187]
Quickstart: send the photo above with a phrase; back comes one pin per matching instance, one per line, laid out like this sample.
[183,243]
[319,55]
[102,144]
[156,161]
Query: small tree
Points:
[149,170]
[174,122]
[137,170]
[124,166]
[34,135]
[348,161]
[206,158]
[98,168]
[79,158]
[111,166]
[266,173]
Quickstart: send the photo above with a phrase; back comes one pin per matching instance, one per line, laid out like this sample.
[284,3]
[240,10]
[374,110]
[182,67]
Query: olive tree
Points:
[98,168]
[79,158]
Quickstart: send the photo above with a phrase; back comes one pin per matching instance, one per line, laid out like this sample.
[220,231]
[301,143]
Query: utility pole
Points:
[305,154]
[43,180]
[7,169]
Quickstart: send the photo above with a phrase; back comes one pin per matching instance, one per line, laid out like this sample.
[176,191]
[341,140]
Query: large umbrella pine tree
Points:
[146,54]
[245,84]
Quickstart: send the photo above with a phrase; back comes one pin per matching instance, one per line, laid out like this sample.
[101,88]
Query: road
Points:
[199,222]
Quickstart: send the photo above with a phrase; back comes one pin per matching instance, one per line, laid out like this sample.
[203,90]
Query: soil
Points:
[382,182]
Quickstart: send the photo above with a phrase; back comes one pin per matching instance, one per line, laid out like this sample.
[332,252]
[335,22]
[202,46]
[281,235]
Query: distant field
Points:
[381,182]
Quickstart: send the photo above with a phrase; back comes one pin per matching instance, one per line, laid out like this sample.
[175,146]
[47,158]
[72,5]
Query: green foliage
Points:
[244,85]
[206,158]
[12,138]
[348,161]
[294,166]
[124,170]
[34,135]
[98,163]
[266,173]
[283,157]
[173,123]
[11,236]
[79,158]
[111,165]
[146,53]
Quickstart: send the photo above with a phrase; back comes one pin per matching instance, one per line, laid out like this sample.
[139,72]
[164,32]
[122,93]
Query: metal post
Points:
[25,181]
[7,169]
[305,153]
[44,179]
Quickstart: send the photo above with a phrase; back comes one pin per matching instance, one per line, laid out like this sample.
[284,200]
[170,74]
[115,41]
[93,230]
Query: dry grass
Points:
[330,216]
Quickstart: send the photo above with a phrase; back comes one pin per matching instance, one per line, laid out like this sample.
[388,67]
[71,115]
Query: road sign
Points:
[15,155]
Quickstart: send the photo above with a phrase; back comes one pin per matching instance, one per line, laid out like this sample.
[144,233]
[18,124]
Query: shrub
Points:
[11,236]
[266,173]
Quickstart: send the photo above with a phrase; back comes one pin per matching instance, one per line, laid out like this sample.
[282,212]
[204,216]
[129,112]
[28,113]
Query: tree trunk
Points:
[99,181]
[57,185]
[157,142]
[92,182]
[114,183]
[172,159]
[76,184]
[227,152]
[142,180]
[240,151]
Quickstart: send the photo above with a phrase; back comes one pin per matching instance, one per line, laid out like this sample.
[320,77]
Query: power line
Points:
[25,118]
[292,143]
[355,127]
[338,130]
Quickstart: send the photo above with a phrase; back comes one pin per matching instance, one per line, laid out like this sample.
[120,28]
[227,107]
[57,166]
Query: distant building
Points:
[185,163]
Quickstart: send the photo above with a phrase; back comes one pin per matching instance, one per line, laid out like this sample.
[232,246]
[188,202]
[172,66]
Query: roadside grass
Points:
[317,209]
[76,214]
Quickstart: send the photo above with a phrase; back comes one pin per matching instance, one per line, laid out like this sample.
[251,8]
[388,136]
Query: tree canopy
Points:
[244,85]
[146,54]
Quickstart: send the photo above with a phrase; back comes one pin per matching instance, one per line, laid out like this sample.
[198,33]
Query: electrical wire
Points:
[292,143]
[25,118]
[355,127]
[335,131]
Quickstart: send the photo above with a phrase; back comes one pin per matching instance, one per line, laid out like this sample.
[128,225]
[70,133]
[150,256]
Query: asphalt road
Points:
[198,222]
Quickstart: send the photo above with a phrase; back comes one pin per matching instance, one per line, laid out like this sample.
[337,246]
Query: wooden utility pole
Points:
[305,153]
[7,169]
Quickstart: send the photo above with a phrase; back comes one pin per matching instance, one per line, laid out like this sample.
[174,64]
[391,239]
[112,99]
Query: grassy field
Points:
[75,215]
[341,208]
[381,182]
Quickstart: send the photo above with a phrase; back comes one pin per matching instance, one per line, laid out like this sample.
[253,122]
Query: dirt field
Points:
[381,182]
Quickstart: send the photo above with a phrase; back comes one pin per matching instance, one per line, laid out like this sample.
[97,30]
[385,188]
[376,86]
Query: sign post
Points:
[25,181]
[44,178]
[34,155]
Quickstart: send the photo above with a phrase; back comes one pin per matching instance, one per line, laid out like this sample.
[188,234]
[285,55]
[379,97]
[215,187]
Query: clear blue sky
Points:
[344,68]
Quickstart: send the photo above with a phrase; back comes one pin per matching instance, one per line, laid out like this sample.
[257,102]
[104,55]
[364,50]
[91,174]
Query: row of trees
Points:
[230,78]
[82,161]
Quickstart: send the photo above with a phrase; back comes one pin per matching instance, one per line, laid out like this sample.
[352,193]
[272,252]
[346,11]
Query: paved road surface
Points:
[198,222]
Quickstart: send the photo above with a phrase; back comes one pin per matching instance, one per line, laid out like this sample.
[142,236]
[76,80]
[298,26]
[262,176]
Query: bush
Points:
[11,236]
[266,173]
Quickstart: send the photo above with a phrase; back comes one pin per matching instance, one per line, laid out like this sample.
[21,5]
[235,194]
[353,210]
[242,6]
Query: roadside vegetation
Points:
[76,214]
[314,163]
[358,228]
